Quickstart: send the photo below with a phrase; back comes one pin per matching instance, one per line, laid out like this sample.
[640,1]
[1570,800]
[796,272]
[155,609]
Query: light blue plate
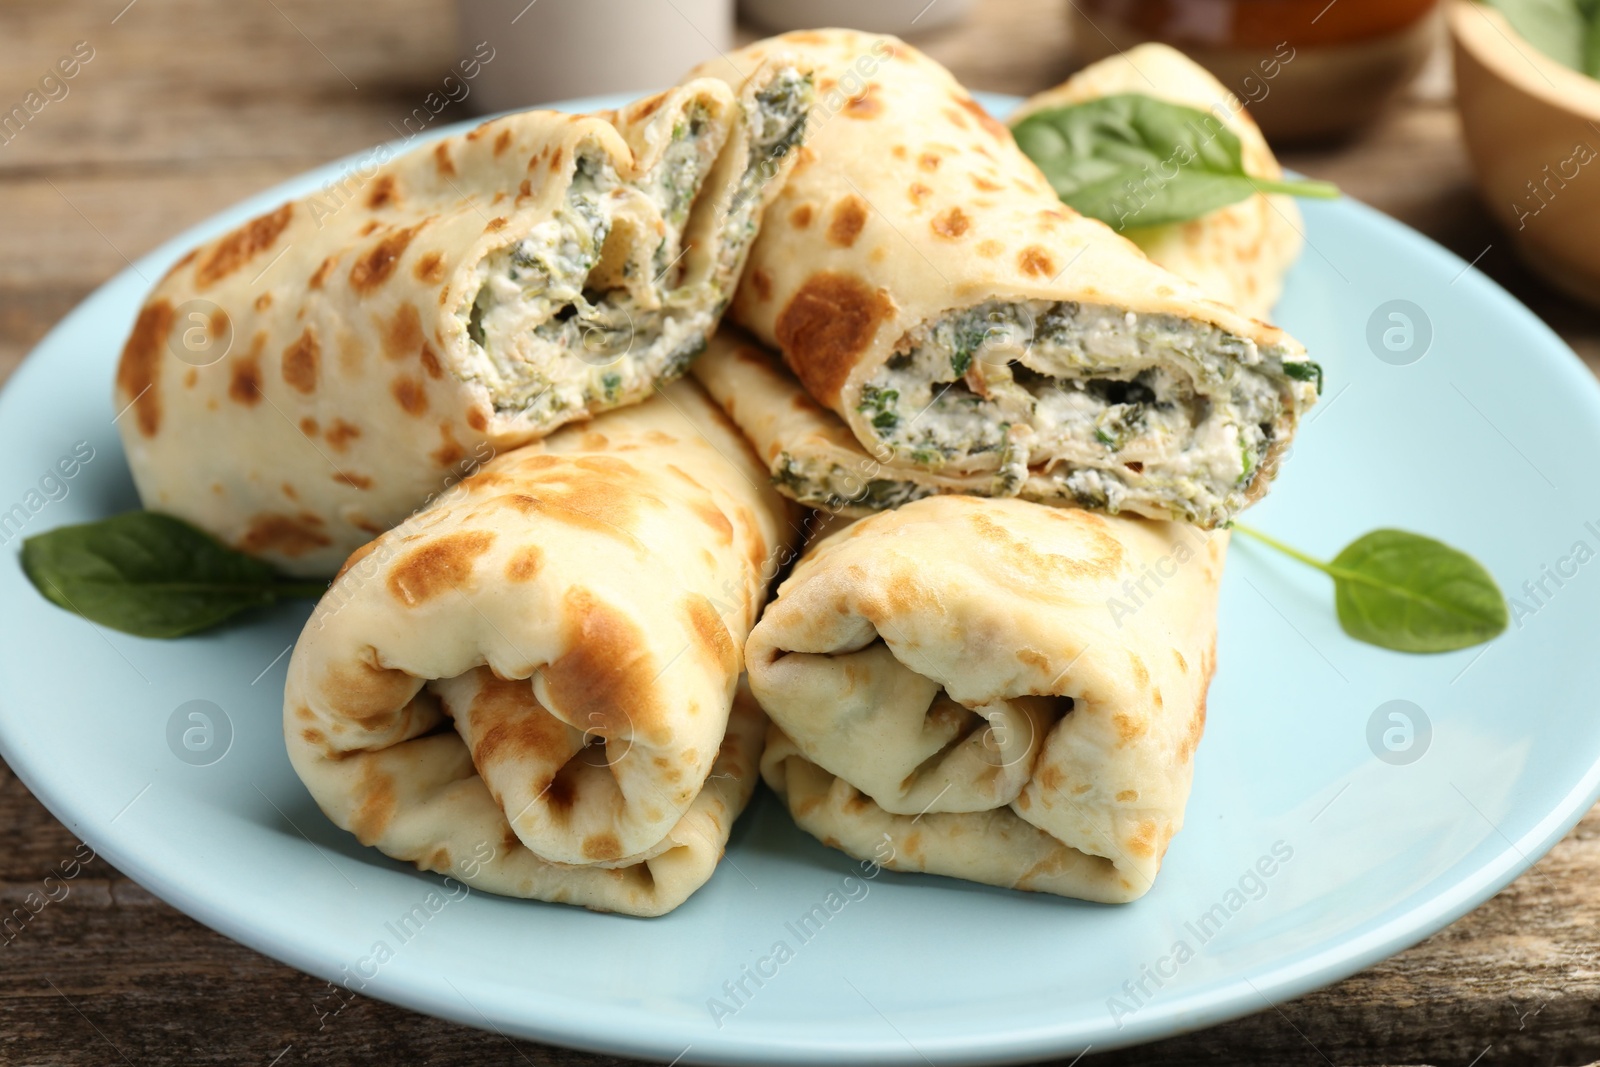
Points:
[1488,440]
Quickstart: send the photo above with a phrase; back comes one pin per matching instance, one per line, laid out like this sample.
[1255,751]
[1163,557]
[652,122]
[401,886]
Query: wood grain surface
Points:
[188,106]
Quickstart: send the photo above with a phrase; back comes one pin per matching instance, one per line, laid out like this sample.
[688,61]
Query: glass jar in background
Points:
[1307,69]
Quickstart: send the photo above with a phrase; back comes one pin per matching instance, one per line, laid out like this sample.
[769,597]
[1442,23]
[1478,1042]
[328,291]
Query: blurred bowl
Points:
[899,17]
[1532,128]
[1308,69]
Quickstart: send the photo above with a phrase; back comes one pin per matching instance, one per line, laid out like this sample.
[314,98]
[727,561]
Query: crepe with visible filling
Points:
[388,333]
[993,690]
[926,285]
[528,685]
[1238,254]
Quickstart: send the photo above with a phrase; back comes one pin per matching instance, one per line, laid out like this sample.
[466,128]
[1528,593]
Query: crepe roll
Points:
[531,684]
[300,385]
[925,284]
[1238,254]
[993,690]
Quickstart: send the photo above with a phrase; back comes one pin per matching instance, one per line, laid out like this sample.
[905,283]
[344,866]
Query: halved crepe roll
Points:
[394,329]
[1238,254]
[528,685]
[925,284]
[993,690]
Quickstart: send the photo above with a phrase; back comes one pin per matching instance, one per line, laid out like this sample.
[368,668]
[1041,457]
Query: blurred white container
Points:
[874,16]
[553,50]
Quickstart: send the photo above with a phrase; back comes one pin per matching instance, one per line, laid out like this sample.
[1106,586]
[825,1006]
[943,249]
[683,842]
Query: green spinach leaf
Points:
[152,575]
[1134,160]
[1406,592]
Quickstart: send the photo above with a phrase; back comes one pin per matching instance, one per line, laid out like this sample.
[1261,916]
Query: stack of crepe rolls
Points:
[533,685]
[1238,254]
[975,335]
[967,687]
[301,384]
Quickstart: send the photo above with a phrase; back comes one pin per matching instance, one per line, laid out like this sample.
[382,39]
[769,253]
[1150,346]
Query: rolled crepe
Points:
[925,284]
[387,333]
[1238,254]
[993,690]
[528,685]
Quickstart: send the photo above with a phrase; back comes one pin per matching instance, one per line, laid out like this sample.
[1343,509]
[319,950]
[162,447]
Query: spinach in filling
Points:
[1106,407]
[549,343]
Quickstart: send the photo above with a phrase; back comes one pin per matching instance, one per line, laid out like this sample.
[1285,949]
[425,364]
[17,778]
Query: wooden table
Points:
[189,105]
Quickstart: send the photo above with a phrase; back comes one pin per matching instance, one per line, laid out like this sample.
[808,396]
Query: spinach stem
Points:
[1315,190]
[1311,561]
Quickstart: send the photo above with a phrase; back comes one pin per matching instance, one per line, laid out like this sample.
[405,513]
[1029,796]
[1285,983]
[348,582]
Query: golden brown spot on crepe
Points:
[410,395]
[1183,664]
[477,419]
[826,326]
[340,433]
[478,130]
[1197,726]
[525,565]
[761,282]
[502,142]
[1128,727]
[1142,842]
[430,269]
[402,334]
[377,804]
[354,481]
[308,426]
[929,160]
[864,105]
[1050,777]
[508,722]
[602,847]
[1155,698]
[374,268]
[899,152]
[289,491]
[300,362]
[368,525]
[1141,674]
[495,224]
[849,216]
[245,384]
[369,228]
[990,248]
[264,301]
[710,633]
[800,217]
[1036,262]
[595,441]
[449,452]
[957,119]
[605,676]
[555,161]
[985,185]
[952,222]
[1100,558]
[440,565]
[287,535]
[242,245]
[442,160]
[991,125]
[919,192]
[383,193]
[140,367]
[322,272]
[604,501]
[430,362]
[1127,796]
[525,190]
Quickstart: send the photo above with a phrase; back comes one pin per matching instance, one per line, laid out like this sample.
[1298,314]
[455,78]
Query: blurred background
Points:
[122,123]
[184,106]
